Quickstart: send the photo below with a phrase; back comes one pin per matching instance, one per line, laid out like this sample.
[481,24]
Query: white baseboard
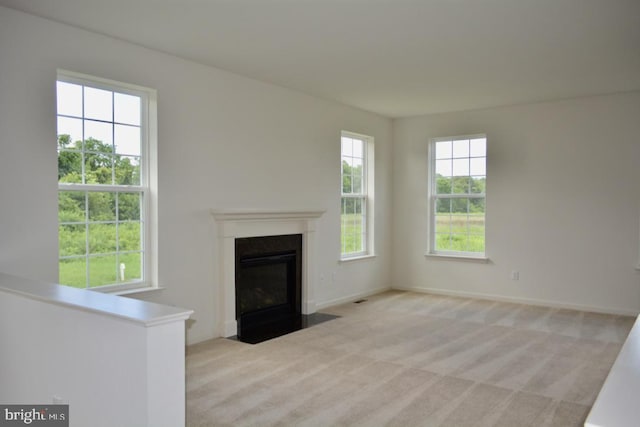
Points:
[350,298]
[517,300]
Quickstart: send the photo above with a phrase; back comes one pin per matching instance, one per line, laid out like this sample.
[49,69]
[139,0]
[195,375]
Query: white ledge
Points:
[356,258]
[450,257]
[252,214]
[133,310]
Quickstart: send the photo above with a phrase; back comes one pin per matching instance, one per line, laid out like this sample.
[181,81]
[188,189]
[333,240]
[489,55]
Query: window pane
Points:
[72,240]
[478,184]
[478,147]
[443,185]
[459,223]
[73,272]
[132,270]
[102,270]
[69,98]
[461,148]
[357,184]
[102,238]
[458,242]
[352,224]
[126,108]
[98,104]
[127,140]
[477,206]
[102,206]
[443,242]
[443,223]
[71,127]
[127,170]
[129,206]
[443,150]
[459,206]
[71,206]
[358,148]
[69,166]
[478,166]
[129,236]
[476,224]
[443,168]
[347,146]
[347,179]
[476,243]
[101,135]
[461,184]
[443,206]
[98,168]
[460,167]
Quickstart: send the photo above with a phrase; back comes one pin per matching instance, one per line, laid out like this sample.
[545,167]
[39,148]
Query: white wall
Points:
[562,204]
[110,371]
[224,142]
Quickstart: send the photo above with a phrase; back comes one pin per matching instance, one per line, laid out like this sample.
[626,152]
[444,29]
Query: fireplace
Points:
[236,224]
[268,286]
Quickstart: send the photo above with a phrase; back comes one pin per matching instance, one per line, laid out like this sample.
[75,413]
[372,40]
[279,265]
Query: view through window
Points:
[356,185]
[458,192]
[102,183]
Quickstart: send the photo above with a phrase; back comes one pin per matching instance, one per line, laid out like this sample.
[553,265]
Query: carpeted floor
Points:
[409,359]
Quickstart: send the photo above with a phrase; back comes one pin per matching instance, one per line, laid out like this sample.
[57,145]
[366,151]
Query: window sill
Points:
[125,292]
[468,258]
[356,258]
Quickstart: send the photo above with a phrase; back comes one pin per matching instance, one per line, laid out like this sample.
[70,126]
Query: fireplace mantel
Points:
[264,214]
[238,223]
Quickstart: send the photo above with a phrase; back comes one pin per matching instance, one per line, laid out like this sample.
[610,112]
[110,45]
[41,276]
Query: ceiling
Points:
[394,57]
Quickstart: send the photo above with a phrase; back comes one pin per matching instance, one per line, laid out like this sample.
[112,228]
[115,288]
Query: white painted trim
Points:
[130,309]
[469,258]
[356,258]
[517,300]
[351,298]
[242,214]
[238,223]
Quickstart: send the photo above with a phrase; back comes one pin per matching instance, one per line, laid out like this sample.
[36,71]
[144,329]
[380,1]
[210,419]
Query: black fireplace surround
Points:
[268,286]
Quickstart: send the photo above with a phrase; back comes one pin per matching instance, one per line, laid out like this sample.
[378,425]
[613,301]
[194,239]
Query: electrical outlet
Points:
[515,275]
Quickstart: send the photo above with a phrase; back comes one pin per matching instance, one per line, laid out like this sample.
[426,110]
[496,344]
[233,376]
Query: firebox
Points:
[268,286]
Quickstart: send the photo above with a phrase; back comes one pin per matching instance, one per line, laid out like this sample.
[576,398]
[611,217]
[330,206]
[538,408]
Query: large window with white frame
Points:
[458,176]
[106,136]
[356,219]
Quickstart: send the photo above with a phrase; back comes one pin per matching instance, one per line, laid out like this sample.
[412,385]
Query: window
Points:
[105,180]
[458,187]
[357,189]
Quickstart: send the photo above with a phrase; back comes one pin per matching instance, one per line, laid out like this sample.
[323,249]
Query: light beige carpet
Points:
[409,359]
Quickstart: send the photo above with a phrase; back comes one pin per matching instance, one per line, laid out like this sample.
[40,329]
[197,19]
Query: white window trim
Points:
[449,255]
[149,149]
[369,192]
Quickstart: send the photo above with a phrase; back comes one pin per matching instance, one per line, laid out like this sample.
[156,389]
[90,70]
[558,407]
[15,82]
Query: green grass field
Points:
[351,233]
[460,233]
[103,270]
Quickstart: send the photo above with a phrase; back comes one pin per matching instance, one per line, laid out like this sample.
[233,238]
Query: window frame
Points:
[365,196]
[433,198]
[147,188]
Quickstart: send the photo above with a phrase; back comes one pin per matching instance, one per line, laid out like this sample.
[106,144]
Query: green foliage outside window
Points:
[102,228]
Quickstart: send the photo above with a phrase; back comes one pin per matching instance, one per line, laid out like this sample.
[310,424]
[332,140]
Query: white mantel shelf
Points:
[264,214]
[133,310]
